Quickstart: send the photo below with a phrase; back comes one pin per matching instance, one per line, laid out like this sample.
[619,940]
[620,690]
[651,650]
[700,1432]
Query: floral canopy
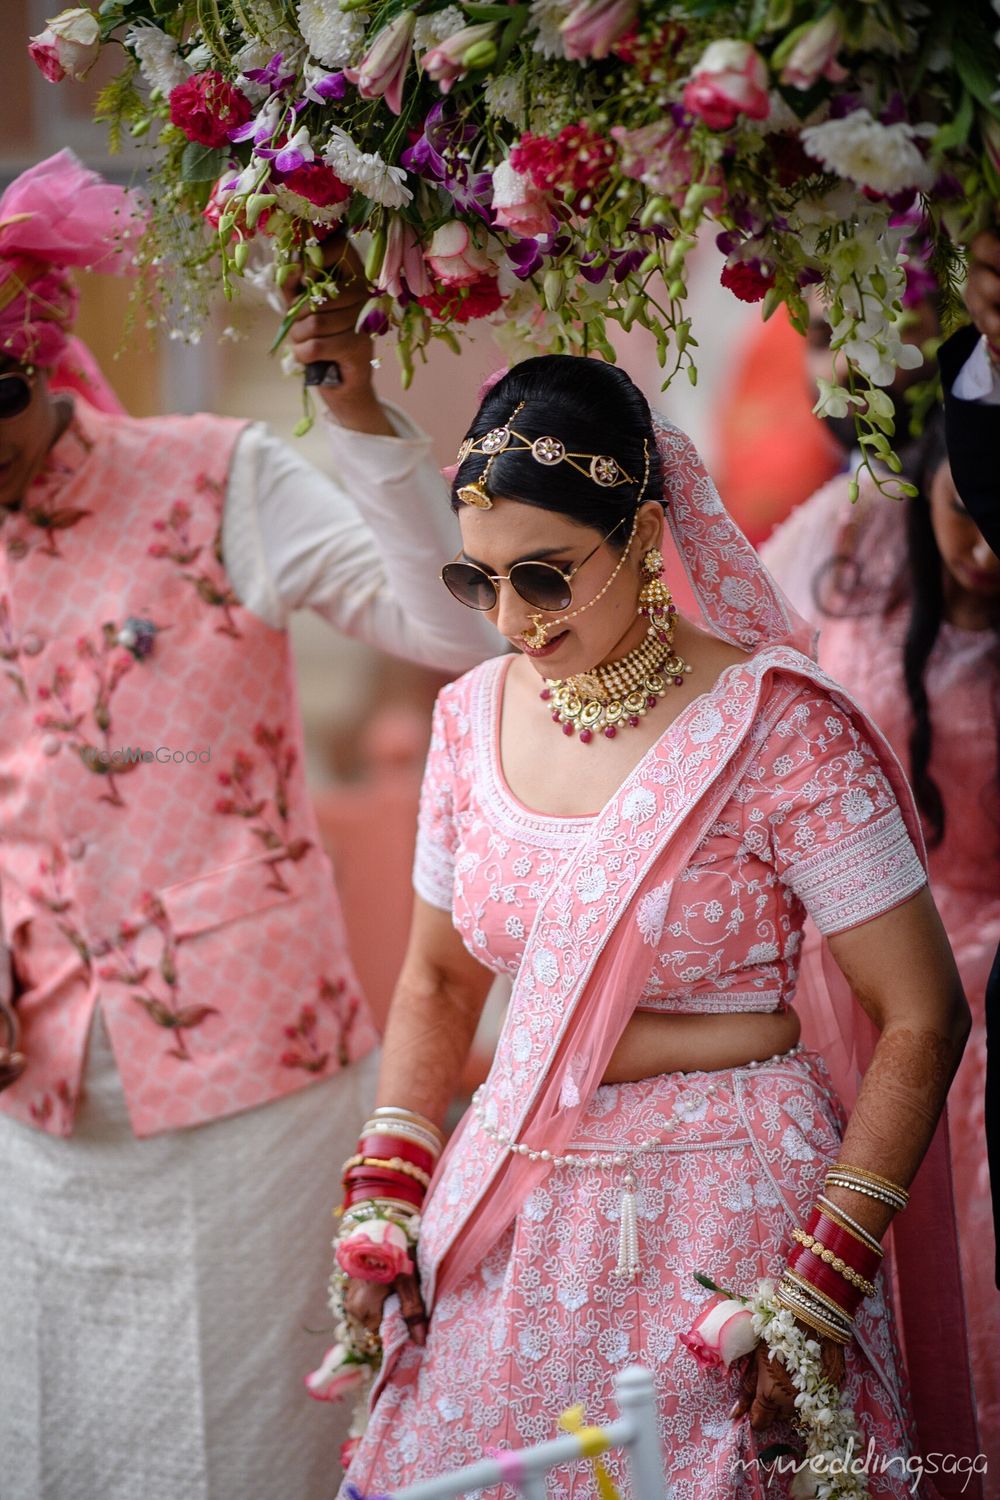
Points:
[546,165]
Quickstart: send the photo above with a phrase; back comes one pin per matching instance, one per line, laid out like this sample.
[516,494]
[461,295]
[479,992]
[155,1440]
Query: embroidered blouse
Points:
[813,827]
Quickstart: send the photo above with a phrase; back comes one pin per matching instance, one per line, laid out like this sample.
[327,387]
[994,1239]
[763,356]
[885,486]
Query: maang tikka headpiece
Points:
[548,451]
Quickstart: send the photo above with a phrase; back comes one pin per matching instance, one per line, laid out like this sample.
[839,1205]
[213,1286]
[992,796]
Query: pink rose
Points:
[721,1333]
[374,1251]
[453,257]
[518,205]
[451,59]
[69,46]
[593,26]
[810,53]
[338,1373]
[381,71]
[730,80]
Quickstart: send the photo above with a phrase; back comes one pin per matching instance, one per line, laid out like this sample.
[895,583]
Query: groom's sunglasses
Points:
[15,394]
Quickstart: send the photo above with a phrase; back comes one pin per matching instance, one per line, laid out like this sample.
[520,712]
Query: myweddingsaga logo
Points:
[823,1467]
[131,755]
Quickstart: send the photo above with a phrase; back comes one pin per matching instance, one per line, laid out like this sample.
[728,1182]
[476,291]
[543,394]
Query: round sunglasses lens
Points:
[470,586]
[15,395]
[541,585]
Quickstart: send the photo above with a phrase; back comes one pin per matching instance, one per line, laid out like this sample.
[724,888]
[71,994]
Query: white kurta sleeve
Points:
[364,550]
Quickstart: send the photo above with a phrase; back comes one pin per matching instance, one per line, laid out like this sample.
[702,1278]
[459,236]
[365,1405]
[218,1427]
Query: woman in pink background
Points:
[907,600]
[644,878]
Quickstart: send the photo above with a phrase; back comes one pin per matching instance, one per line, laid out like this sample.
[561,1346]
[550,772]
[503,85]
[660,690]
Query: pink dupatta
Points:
[578,980]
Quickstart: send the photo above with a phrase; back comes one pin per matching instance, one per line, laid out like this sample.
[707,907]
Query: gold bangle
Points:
[810,1319]
[841,1324]
[813,1291]
[865,1189]
[396,1163]
[834,1261]
[873,1178]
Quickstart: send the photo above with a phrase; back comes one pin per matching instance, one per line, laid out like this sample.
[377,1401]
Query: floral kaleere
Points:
[730,1327]
[545,165]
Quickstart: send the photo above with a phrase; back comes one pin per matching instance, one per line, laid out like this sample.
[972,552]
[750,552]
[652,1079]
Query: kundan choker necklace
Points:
[619,694]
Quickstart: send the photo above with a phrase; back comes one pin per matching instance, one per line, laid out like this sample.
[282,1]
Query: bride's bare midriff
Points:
[652,1043]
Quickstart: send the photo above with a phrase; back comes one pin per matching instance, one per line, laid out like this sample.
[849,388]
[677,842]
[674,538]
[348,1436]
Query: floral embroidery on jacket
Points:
[305,1049]
[165,1011]
[10,649]
[269,816]
[108,663]
[209,582]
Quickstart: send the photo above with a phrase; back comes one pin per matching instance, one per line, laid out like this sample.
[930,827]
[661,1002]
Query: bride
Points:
[631,817]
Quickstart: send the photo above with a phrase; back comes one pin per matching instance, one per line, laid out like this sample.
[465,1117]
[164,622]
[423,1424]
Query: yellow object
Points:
[593,1441]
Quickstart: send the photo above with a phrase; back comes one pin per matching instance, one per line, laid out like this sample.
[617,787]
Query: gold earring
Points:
[652,562]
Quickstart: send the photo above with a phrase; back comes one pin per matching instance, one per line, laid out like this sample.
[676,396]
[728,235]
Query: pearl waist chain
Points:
[628,1266]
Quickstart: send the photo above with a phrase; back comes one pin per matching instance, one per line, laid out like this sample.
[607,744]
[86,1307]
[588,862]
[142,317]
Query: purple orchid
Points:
[526,258]
[271,76]
[331,88]
[436,156]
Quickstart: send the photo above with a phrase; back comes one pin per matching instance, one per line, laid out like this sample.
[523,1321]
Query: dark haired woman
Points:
[907,600]
[631,816]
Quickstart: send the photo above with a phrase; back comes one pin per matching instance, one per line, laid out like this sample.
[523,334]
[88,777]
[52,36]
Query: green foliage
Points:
[119,104]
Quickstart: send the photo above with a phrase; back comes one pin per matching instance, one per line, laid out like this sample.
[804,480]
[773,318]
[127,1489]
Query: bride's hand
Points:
[767,1392]
[365,1300]
[12,1060]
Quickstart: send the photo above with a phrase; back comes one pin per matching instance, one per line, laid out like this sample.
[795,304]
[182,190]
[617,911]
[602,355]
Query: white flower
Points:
[504,96]
[434,28]
[333,37]
[885,158]
[366,171]
[856,805]
[160,63]
[514,927]
[200,57]
[546,21]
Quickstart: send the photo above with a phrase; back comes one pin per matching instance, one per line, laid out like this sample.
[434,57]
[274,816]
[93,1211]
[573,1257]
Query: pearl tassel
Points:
[628,1242]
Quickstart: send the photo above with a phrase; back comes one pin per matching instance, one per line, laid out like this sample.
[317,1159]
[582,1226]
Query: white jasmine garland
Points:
[160,62]
[333,37]
[823,1412]
[885,158]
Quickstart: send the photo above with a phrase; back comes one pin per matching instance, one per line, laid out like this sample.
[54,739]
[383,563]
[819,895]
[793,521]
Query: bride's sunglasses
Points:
[15,394]
[540,584]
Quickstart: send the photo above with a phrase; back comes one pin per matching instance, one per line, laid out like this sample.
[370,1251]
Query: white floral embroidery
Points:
[651,912]
[856,805]
[638,805]
[591,884]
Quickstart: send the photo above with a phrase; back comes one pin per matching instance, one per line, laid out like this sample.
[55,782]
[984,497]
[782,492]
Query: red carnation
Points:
[463,304]
[317,184]
[207,108]
[746,280]
[577,161]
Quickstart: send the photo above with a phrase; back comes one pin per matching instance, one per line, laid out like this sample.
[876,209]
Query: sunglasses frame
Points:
[29,388]
[497,578]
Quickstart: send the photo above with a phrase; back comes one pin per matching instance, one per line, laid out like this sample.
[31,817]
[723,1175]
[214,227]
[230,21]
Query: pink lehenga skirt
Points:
[543,1323]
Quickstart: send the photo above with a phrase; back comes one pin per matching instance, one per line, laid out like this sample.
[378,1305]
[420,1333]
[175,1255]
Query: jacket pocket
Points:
[229,894]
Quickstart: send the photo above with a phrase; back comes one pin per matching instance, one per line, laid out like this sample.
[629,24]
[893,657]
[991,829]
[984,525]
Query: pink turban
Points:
[55,216]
